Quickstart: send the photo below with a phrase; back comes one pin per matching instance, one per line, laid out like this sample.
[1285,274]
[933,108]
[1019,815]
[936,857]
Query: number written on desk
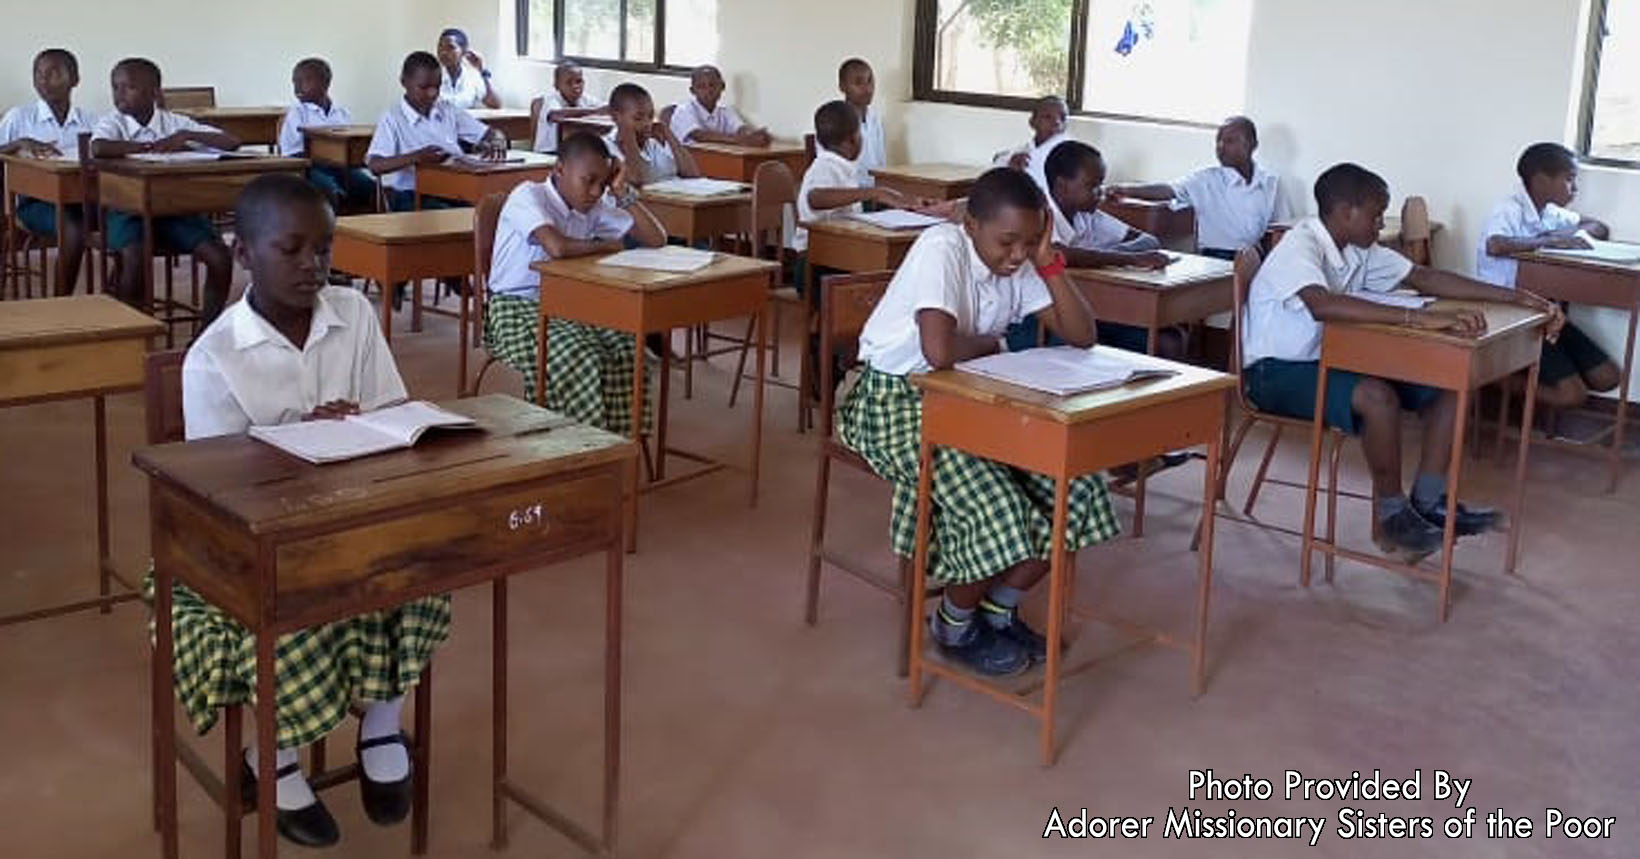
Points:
[525,517]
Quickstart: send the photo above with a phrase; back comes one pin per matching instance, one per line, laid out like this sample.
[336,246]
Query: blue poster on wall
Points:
[1141,24]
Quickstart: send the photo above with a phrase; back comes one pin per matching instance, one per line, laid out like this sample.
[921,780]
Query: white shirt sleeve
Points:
[1187,190]
[209,407]
[468,129]
[936,276]
[188,123]
[1033,293]
[110,127]
[733,120]
[1284,275]
[385,142]
[291,141]
[684,121]
[8,127]
[610,222]
[1383,269]
[1560,219]
[379,380]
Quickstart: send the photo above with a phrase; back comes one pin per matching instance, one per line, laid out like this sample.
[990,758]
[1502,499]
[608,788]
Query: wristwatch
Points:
[485,74]
[626,200]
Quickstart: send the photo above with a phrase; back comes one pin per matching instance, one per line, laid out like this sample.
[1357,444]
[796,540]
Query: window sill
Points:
[1024,105]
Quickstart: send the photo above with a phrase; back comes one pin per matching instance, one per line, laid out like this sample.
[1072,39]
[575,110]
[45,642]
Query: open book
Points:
[896,219]
[1618,253]
[697,187]
[190,157]
[469,160]
[392,428]
[1063,370]
[669,258]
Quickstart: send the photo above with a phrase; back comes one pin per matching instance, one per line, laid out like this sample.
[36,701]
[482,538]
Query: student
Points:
[464,82]
[345,187]
[1048,119]
[51,128]
[649,148]
[959,288]
[859,86]
[423,129]
[568,100]
[1319,273]
[1533,217]
[1235,200]
[706,119]
[139,124]
[831,186]
[571,214]
[294,349]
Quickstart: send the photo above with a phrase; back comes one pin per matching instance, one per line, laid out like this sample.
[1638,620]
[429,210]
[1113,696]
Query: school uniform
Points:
[37,122]
[1036,157]
[987,516]
[1517,217]
[465,90]
[177,233]
[828,170]
[1281,341]
[589,369]
[692,116]
[656,162]
[1232,212]
[1093,231]
[240,373]
[402,130]
[546,131]
[873,147]
[347,185]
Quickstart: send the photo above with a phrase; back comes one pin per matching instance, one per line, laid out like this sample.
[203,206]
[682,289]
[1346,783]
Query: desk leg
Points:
[1622,403]
[415,305]
[757,398]
[919,574]
[1517,511]
[1152,337]
[541,361]
[387,310]
[1449,534]
[465,338]
[267,728]
[1318,424]
[59,288]
[104,565]
[147,279]
[1059,573]
[498,713]
[663,402]
[1204,559]
[422,761]
[164,717]
[637,435]
[613,579]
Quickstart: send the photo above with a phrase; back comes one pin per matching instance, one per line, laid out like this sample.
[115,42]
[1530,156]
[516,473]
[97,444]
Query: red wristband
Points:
[1054,268]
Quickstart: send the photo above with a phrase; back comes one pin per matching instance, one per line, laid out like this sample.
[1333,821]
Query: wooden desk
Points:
[1389,237]
[596,125]
[849,245]
[737,163]
[396,247]
[57,181]
[1600,285]
[641,302]
[512,122]
[1513,341]
[254,126]
[1174,227]
[341,146]
[693,219]
[470,182]
[930,181]
[66,348]
[1064,438]
[282,545]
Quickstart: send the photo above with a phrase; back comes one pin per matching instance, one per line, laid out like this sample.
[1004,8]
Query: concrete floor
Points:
[749,734]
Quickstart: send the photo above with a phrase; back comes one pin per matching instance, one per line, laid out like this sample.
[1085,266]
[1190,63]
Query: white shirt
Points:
[302,115]
[242,372]
[829,170]
[656,161]
[402,130]
[942,271]
[1231,212]
[530,206]
[1036,162]
[1088,231]
[466,90]
[37,122]
[692,116]
[124,128]
[546,131]
[1517,217]
[873,148]
[1279,324]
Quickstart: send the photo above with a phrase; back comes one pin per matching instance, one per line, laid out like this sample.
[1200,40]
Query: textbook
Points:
[698,187]
[1063,370]
[193,157]
[670,258]
[466,160]
[1617,253]
[897,219]
[1408,300]
[391,428]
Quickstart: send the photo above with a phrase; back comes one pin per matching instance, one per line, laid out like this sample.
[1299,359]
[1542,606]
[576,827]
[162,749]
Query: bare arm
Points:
[29,146]
[821,199]
[1156,191]
[561,247]
[943,346]
[1502,246]
[1070,316]
[1328,306]
[117,148]
[382,164]
[1596,228]
[182,140]
[687,168]
[1079,258]
[646,228]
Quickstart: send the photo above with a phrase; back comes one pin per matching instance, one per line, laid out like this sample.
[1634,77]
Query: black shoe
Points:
[398,297]
[385,802]
[308,827]
[1016,631]
[1471,520]
[1406,535]
[982,650]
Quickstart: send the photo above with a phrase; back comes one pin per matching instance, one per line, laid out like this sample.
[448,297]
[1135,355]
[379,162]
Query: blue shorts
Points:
[40,217]
[182,233]
[405,201]
[353,186]
[1288,388]
[1024,335]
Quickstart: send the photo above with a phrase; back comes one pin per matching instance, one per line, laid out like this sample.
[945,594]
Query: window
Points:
[638,35]
[1176,60]
[1610,129]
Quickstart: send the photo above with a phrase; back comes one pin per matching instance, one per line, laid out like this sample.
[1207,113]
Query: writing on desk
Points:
[524,517]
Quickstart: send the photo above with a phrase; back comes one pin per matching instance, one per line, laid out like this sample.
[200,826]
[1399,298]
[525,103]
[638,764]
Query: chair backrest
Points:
[846,302]
[182,97]
[810,148]
[162,394]
[1248,261]
[486,217]
[773,190]
[536,104]
[1415,230]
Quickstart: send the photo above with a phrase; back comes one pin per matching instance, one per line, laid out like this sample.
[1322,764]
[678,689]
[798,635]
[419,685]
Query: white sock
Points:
[294,792]
[385,763]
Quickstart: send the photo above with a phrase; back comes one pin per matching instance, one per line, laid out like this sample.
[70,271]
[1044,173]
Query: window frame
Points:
[1593,46]
[521,13]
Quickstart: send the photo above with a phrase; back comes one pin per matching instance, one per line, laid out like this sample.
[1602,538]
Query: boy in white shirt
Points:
[1534,217]
[1048,121]
[568,100]
[1235,201]
[463,80]
[958,290]
[705,119]
[347,188]
[571,214]
[294,349]
[422,128]
[649,148]
[51,128]
[831,186]
[139,124]
[859,87]
[1319,273]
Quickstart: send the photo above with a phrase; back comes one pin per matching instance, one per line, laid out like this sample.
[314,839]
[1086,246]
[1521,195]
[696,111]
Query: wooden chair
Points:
[846,303]
[486,217]
[162,395]
[773,191]
[184,97]
[536,105]
[1415,230]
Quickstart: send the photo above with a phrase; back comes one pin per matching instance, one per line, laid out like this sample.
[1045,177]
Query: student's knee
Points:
[1567,393]
[1375,400]
[1603,377]
[214,255]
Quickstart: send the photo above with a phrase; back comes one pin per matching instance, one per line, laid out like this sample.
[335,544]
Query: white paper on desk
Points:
[1620,253]
[1411,300]
[897,219]
[479,161]
[1063,370]
[392,428]
[697,187]
[176,157]
[669,258]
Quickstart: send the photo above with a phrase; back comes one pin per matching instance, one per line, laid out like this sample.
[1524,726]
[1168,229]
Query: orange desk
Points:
[254,126]
[737,163]
[469,181]
[849,245]
[54,180]
[396,247]
[343,146]
[930,181]
[693,219]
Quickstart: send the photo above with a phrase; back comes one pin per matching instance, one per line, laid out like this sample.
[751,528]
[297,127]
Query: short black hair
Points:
[418,61]
[834,123]
[1545,159]
[582,144]
[850,65]
[1056,100]
[142,66]
[1070,158]
[456,33]
[1001,188]
[626,95]
[1245,124]
[316,66]
[61,55]
[270,193]
[1348,185]
[562,69]
[703,70]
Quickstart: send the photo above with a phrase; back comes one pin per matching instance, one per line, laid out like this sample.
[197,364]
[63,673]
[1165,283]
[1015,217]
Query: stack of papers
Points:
[176,157]
[480,161]
[1410,300]
[897,219]
[1619,253]
[698,187]
[669,258]
[392,428]
[1063,370]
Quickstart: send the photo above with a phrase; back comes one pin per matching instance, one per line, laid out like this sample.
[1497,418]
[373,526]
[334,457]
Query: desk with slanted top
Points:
[694,218]
[930,181]
[342,146]
[396,247]
[469,181]
[850,245]
[512,122]
[254,126]
[736,163]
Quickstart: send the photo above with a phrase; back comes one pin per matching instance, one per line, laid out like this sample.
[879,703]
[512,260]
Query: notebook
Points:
[1410,300]
[392,428]
[897,219]
[670,258]
[698,187]
[1619,253]
[480,161]
[176,157]
[1063,370]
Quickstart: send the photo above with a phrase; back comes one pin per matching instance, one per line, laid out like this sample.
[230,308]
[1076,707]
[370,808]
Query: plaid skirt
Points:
[589,369]
[987,516]
[319,672]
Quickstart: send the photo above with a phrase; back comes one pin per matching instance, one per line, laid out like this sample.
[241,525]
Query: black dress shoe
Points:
[309,827]
[385,802]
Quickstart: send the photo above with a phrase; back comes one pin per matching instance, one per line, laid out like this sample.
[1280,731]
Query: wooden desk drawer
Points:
[71,369]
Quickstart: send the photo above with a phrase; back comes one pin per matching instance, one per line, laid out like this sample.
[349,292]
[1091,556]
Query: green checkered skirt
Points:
[319,672]
[987,516]
[589,369]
